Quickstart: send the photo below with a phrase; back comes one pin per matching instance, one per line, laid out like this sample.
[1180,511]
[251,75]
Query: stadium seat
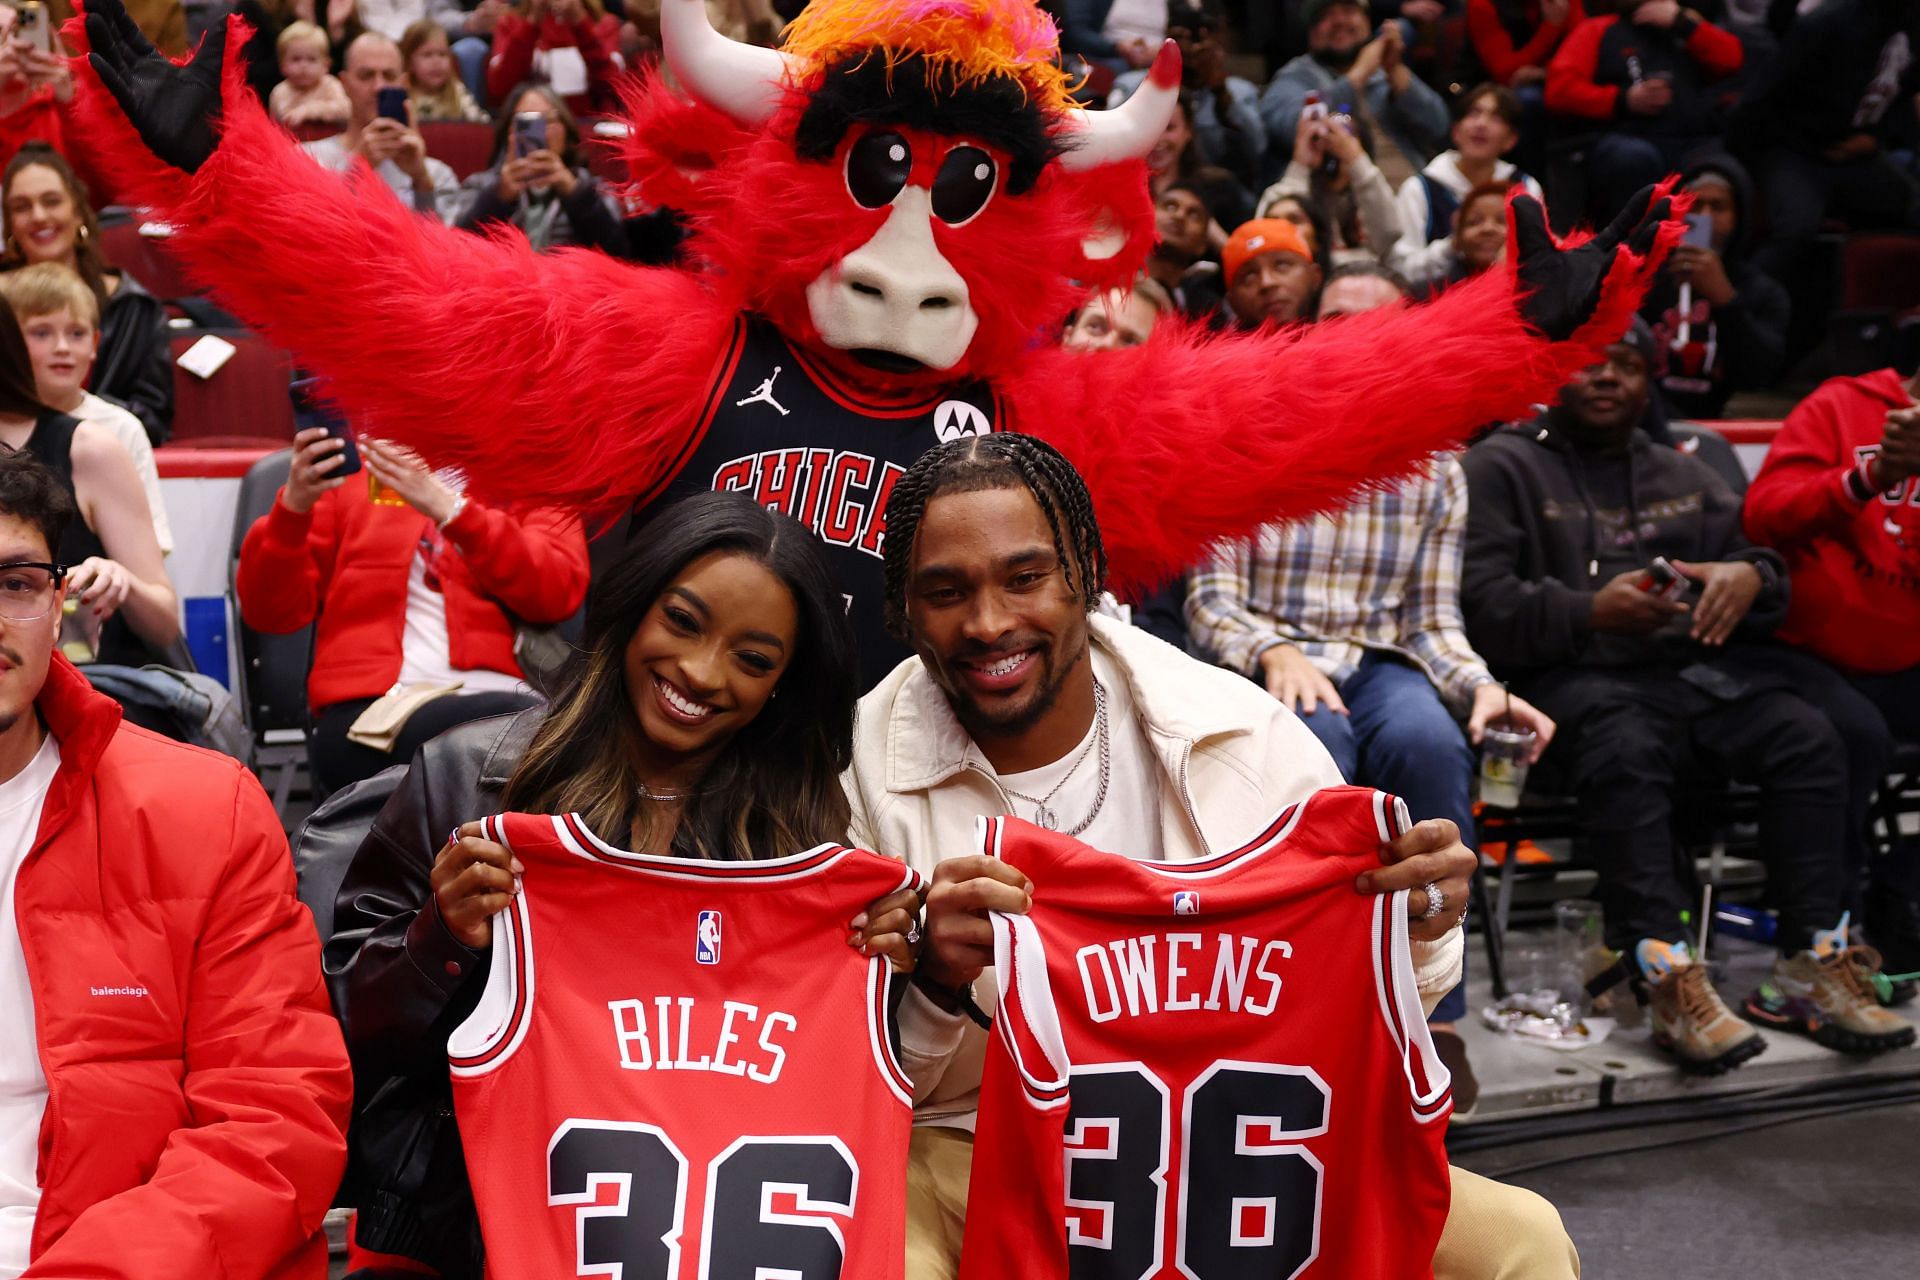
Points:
[145,258]
[245,402]
[1880,271]
[465,146]
[273,668]
[315,130]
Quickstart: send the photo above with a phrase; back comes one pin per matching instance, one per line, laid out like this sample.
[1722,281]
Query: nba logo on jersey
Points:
[1186,904]
[706,938]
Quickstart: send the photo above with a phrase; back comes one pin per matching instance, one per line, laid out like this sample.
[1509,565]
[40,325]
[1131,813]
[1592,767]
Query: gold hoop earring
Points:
[83,233]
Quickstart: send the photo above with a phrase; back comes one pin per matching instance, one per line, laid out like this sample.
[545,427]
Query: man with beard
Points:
[1224,109]
[1567,518]
[1365,76]
[1180,218]
[1020,700]
[1270,274]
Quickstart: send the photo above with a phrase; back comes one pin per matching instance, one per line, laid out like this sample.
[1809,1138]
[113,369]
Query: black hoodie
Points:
[1732,348]
[1547,527]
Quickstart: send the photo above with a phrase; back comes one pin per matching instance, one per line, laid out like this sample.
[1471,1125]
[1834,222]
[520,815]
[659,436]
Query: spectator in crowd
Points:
[391,18]
[164,22]
[34,88]
[471,26]
[421,595]
[1362,75]
[1310,218]
[1485,127]
[549,194]
[1479,240]
[125,610]
[1354,622]
[50,219]
[571,45]
[1225,110]
[1839,495]
[715,599]
[1731,333]
[1514,39]
[1354,287]
[60,319]
[308,92]
[1176,158]
[433,89]
[173,1090]
[1331,168]
[1822,119]
[1118,35]
[993,550]
[1270,275]
[1564,519]
[1118,318]
[1654,79]
[394,148]
[1181,219]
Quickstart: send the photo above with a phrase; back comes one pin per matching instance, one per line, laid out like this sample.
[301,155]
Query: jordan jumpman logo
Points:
[764,394]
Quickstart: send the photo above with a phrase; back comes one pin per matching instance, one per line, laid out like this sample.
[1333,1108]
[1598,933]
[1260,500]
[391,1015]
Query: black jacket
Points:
[135,366]
[401,983]
[1831,79]
[583,218]
[1543,538]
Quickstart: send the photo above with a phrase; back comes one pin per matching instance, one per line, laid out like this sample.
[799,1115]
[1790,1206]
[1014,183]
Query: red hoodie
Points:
[1856,589]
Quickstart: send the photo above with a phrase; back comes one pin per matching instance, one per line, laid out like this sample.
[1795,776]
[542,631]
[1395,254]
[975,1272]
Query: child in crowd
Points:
[310,94]
[60,319]
[435,90]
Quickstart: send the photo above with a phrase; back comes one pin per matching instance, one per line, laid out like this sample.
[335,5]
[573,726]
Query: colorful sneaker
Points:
[1890,989]
[1823,993]
[1690,1021]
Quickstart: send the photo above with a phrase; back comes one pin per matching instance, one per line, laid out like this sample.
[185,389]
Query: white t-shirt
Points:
[1142,19]
[23,1087]
[331,153]
[425,652]
[1129,817]
[127,430]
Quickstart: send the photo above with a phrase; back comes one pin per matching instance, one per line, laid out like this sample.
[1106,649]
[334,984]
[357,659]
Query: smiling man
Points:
[157,976]
[1020,700]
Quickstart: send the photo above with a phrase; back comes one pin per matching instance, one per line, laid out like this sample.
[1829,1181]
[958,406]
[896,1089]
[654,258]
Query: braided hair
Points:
[1003,460]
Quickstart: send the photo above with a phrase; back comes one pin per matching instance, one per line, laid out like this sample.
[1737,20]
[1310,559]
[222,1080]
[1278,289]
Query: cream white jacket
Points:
[1230,758]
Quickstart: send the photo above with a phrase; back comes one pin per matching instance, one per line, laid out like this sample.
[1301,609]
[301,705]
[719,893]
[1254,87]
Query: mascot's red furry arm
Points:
[906,193]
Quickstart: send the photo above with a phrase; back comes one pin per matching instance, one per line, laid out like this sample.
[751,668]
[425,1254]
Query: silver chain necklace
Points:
[1043,815]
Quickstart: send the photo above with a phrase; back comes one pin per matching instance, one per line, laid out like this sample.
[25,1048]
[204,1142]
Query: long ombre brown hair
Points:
[775,787]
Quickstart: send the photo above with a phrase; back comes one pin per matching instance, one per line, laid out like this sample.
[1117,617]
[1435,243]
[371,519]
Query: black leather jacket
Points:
[400,983]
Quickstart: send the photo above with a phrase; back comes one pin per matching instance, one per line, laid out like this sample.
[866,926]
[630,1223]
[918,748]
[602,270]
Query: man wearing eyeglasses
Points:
[173,1087]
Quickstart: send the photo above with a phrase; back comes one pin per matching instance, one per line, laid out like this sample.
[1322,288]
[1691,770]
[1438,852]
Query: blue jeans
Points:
[470,53]
[1399,737]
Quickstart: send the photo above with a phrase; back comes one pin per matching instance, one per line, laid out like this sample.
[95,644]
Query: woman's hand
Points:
[101,585]
[473,881]
[316,456]
[401,470]
[513,179]
[546,169]
[885,927]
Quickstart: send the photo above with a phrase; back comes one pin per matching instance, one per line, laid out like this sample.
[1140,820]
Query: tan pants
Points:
[1493,1231]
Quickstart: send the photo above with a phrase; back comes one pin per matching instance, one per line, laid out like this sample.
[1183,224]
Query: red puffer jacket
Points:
[346,563]
[198,1088]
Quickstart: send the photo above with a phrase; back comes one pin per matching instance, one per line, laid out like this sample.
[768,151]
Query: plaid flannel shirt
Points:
[1384,575]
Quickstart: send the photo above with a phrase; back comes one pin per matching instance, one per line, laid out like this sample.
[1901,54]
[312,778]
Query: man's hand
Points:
[1371,57]
[1650,97]
[959,936]
[1561,287]
[173,108]
[1728,589]
[1899,458]
[316,456]
[1426,10]
[1553,13]
[1493,705]
[883,927]
[1431,853]
[1393,49]
[1855,146]
[1702,268]
[485,17]
[1622,608]
[1659,14]
[473,881]
[1298,684]
[402,471]
[1206,64]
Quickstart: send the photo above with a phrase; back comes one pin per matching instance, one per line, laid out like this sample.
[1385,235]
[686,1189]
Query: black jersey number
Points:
[1249,1193]
[764,1198]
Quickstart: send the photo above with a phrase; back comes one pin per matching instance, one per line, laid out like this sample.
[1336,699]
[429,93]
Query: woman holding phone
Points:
[539,181]
[708,715]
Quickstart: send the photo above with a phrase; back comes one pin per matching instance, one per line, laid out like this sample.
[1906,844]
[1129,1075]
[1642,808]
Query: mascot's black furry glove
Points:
[1561,287]
[173,108]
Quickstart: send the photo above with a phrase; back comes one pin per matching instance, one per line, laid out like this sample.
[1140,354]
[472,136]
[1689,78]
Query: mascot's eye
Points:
[964,185]
[877,167]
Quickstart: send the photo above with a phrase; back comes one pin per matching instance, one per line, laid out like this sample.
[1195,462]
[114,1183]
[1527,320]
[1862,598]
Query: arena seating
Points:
[462,145]
[244,402]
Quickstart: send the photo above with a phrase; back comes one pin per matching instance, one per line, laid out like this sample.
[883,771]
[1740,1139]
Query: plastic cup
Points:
[381,495]
[1577,925]
[1505,755]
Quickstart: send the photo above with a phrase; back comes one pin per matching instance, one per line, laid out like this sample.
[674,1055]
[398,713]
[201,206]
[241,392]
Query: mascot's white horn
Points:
[743,80]
[1129,131]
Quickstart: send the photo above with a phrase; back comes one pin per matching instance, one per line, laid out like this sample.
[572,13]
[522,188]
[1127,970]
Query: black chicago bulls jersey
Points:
[779,427]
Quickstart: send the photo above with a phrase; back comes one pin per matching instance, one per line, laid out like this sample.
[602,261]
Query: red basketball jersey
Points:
[1213,1070]
[680,1071]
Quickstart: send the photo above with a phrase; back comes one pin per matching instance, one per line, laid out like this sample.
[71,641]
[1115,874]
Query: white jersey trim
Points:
[1026,994]
[491,1034]
[1400,1009]
[879,1013]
